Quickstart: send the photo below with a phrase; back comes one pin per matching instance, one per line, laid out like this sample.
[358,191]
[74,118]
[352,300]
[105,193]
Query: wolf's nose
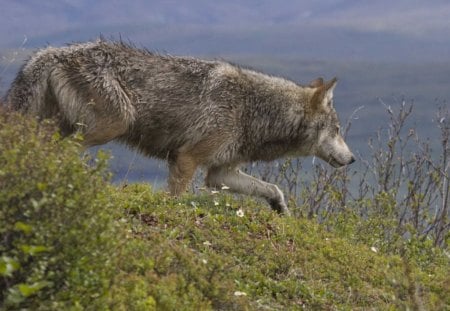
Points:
[352,160]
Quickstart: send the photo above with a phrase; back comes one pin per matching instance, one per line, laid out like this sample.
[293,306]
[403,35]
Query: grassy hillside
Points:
[212,251]
[73,241]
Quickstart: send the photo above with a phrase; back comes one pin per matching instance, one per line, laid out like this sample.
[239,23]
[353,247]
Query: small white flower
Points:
[205,261]
[374,249]
[216,203]
[224,187]
[207,243]
[238,293]
[227,204]
[240,213]
[214,192]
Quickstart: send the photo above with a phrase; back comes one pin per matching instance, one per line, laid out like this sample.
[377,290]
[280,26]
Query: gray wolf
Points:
[193,113]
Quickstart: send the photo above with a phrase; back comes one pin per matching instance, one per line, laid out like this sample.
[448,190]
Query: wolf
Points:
[191,112]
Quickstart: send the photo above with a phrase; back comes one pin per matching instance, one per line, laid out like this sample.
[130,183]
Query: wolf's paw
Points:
[279,207]
[278,204]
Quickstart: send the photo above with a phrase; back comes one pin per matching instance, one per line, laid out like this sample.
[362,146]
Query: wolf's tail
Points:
[30,87]
[51,84]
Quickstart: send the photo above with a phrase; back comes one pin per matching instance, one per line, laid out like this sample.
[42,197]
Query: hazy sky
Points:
[385,29]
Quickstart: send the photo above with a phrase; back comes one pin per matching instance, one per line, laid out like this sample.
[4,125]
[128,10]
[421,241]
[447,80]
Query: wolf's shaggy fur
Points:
[191,112]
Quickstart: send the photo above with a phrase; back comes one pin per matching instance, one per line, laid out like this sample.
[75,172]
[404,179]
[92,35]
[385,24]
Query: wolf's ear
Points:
[330,85]
[329,88]
[316,82]
[322,99]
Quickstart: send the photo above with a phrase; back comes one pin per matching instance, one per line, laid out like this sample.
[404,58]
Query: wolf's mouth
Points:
[334,163]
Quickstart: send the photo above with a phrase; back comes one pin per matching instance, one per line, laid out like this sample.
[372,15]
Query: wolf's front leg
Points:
[242,183]
[181,171]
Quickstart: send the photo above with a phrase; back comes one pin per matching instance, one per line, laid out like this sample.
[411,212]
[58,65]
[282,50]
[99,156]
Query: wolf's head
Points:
[328,143]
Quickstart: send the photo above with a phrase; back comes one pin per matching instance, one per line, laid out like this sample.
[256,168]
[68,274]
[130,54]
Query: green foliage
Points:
[56,220]
[71,241]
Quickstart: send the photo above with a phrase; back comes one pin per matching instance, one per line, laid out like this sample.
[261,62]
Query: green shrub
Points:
[58,235]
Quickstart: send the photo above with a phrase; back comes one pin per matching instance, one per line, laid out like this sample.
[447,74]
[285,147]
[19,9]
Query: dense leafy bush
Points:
[56,220]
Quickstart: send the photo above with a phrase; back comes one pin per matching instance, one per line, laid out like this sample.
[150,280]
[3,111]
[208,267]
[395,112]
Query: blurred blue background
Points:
[384,52]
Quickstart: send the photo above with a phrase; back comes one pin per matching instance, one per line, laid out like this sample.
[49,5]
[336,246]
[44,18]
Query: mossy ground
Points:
[211,251]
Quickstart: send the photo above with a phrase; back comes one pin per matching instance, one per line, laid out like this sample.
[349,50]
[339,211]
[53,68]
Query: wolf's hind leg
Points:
[97,106]
[181,171]
[240,182]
